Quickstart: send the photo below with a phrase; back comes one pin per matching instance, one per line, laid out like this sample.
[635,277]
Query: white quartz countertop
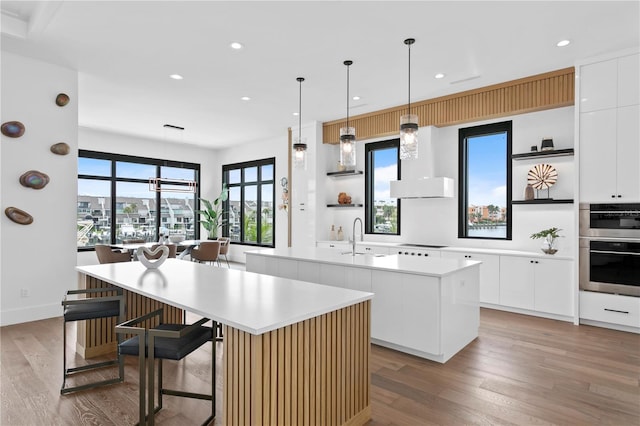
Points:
[250,302]
[431,266]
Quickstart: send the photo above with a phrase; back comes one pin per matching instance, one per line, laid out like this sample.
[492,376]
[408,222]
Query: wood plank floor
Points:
[521,370]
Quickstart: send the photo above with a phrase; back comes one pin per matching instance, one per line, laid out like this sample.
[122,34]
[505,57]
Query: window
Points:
[115,201]
[382,213]
[485,181]
[249,208]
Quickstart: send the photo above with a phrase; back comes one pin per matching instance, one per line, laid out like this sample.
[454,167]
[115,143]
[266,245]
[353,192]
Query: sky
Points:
[487,170]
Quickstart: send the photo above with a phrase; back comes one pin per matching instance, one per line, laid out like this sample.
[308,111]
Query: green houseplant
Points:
[549,235]
[212,215]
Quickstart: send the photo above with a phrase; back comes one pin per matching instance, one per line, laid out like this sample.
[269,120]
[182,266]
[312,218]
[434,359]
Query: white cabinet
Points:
[628,153]
[598,156]
[338,245]
[629,80]
[489,273]
[599,86]
[386,307]
[537,284]
[358,279]
[332,275]
[371,248]
[610,308]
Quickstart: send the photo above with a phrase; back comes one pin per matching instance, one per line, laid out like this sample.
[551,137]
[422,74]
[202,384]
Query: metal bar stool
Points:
[165,341]
[87,309]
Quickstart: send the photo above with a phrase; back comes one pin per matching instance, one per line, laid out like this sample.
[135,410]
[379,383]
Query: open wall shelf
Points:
[541,154]
[544,201]
[344,205]
[345,173]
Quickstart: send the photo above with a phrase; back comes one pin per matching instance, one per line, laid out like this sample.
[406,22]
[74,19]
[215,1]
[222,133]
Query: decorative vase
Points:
[528,193]
[332,233]
[549,245]
[340,234]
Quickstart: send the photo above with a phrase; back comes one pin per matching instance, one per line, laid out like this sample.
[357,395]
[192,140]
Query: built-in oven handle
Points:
[615,252]
[615,211]
[615,310]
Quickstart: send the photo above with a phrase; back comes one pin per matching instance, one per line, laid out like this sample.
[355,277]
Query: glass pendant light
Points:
[409,123]
[299,145]
[348,136]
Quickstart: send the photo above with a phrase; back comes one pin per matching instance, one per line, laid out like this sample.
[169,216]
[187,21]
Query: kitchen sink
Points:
[364,254]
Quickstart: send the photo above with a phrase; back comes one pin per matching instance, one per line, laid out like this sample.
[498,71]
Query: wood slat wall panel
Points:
[302,374]
[98,337]
[536,93]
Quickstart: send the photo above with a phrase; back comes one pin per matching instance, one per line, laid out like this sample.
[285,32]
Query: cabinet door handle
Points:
[613,196]
[619,196]
[615,310]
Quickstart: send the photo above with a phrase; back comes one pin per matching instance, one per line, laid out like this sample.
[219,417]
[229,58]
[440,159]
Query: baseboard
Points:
[30,313]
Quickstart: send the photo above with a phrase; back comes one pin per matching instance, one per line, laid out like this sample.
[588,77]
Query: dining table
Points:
[188,245]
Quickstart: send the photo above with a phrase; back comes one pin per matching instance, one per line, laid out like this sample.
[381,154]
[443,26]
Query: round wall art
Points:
[13,129]
[542,176]
[34,179]
[60,148]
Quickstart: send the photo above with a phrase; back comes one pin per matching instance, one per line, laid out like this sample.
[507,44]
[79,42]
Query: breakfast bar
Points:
[294,352]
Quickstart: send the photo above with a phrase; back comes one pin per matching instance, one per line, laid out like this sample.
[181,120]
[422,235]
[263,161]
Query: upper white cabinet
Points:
[609,130]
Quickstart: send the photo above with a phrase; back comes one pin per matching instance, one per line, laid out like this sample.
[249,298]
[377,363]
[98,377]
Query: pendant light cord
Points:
[409,92]
[300,79]
[347,98]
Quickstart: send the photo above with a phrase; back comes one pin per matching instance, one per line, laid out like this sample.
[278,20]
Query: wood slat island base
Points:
[308,373]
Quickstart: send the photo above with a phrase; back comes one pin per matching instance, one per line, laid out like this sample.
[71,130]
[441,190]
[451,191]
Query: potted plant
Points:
[549,235]
[212,216]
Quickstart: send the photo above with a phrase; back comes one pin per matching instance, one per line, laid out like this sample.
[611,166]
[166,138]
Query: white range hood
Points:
[427,187]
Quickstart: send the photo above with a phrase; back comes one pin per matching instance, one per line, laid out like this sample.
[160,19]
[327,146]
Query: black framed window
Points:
[484,209]
[249,208]
[116,200]
[382,165]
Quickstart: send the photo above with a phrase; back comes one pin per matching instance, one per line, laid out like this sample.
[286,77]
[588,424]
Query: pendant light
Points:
[299,145]
[409,123]
[348,135]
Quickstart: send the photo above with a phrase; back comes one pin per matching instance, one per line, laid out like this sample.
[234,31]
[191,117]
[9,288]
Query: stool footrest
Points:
[64,391]
[91,366]
[187,394]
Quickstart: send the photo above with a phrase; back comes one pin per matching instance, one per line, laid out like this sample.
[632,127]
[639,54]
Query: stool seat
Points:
[93,310]
[170,348]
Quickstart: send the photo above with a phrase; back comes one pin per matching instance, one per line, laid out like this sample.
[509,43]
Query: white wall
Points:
[39,258]
[435,221]
[96,140]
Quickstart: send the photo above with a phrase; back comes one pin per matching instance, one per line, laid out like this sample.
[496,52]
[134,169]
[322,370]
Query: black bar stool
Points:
[165,341]
[87,309]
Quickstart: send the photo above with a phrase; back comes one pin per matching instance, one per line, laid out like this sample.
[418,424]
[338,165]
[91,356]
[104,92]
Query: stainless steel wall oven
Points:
[610,248]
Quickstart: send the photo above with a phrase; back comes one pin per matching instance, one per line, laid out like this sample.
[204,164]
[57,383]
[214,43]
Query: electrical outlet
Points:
[24,292]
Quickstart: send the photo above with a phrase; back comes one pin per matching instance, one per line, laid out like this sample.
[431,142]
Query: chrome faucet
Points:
[353,234]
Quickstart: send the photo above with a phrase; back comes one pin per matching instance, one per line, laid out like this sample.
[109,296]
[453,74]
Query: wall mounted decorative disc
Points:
[60,148]
[542,176]
[18,216]
[34,179]
[62,99]
[13,129]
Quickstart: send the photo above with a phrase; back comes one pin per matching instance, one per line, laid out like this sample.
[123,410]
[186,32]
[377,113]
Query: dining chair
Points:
[107,255]
[224,249]
[207,251]
[96,306]
[164,341]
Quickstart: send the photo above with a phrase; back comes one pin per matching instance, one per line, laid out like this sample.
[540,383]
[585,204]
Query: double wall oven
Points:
[610,248]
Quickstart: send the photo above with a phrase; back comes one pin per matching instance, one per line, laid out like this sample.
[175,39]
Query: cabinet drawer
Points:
[611,308]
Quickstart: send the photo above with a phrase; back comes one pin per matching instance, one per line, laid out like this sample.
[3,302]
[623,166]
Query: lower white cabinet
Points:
[489,273]
[610,308]
[537,284]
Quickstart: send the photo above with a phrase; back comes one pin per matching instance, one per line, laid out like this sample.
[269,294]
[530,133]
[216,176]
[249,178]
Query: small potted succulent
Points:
[549,235]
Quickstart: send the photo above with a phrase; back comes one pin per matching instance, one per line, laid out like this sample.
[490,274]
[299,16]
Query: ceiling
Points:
[125,51]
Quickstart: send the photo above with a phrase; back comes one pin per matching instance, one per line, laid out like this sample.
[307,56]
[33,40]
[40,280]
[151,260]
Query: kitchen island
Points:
[294,352]
[428,307]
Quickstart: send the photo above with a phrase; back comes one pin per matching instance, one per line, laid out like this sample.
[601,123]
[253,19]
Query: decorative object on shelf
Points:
[155,263]
[62,99]
[332,233]
[341,167]
[534,148]
[546,145]
[549,239]
[212,217]
[34,179]
[299,145]
[409,122]
[344,198]
[18,216]
[13,129]
[285,194]
[542,176]
[528,193]
[60,148]
[348,135]
[340,234]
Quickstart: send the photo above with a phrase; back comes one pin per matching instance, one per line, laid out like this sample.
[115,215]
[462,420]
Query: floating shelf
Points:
[540,154]
[544,201]
[344,205]
[345,173]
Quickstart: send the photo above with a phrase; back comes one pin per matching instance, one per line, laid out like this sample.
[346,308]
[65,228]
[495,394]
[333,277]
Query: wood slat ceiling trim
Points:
[554,89]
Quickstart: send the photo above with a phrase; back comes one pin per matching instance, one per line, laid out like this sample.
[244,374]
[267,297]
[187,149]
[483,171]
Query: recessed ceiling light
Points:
[296,113]
[245,98]
[176,76]
[356,98]
[236,45]
[563,43]
[439,75]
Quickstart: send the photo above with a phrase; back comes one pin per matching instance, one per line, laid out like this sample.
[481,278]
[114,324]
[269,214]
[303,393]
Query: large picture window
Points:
[485,181]
[249,208]
[116,201]
[382,165]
